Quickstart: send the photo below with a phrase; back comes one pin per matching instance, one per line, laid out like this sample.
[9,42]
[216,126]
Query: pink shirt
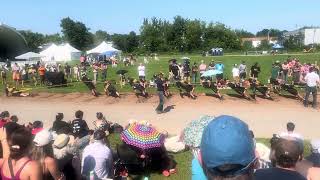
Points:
[202,67]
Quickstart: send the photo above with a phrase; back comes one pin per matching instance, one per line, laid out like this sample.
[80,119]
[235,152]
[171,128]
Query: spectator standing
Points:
[285,71]
[42,72]
[67,71]
[255,70]
[219,67]
[212,65]
[141,71]
[287,153]
[194,72]
[235,73]
[296,73]
[97,157]
[76,72]
[160,88]
[243,70]
[16,74]
[3,73]
[104,69]
[227,149]
[95,70]
[312,80]
[202,67]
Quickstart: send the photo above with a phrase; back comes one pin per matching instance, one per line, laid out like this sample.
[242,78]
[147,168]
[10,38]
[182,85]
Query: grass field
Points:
[184,159]
[162,65]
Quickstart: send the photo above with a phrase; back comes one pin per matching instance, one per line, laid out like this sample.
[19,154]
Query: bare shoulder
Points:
[50,161]
[32,165]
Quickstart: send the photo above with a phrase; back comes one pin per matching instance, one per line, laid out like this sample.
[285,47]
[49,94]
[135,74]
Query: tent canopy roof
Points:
[29,55]
[102,48]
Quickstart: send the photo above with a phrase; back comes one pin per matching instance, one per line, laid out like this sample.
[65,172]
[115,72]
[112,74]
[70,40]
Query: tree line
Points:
[158,35]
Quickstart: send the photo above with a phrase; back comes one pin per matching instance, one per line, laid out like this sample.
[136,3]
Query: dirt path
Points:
[263,116]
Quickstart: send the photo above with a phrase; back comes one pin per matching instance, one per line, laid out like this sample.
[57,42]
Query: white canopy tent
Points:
[29,58]
[102,48]
[60,53]
[49,53]
[67,53]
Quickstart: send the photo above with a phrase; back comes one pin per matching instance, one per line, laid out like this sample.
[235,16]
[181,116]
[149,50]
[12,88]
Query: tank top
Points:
[17,175]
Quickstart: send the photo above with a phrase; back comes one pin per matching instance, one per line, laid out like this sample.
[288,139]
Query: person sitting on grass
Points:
[59,126]
[226,151]
[80,130]
[110,89]
[88,82]
[101,123]
[290,132]
[287,154]
[42,152]
[4,118]
[97,157]
[187,88]
[15,162]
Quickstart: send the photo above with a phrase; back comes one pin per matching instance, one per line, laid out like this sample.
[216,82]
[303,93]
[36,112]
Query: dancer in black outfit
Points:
[110,89]
[88,82]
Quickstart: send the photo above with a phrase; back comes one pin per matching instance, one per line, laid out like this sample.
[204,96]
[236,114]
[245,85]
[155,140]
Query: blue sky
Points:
[122,16]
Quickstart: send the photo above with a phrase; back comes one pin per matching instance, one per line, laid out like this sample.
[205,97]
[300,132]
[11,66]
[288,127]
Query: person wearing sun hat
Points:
[42,152]
[227,149]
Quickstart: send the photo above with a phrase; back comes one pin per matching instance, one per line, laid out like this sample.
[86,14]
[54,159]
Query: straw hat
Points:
[61,141]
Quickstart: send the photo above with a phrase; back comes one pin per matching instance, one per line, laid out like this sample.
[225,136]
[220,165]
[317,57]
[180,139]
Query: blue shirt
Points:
[197,171]
[219,67]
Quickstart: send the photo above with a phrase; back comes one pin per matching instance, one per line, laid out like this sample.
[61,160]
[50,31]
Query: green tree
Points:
[100,36]
[53,38]
[132,41]
[271,32]
[293,43]
[247,45]
[244,34]
[151,35]
[218,35]
[76,33]
[34,40]
[193,35]
[264,45]
[179,28]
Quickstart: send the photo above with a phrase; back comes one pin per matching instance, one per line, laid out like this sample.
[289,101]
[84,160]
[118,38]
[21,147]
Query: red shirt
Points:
[3,122]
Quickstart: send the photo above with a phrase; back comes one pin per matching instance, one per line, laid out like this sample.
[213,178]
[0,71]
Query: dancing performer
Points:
[255,85]
[88,82]
[240,88]
[187,88]
[206,83]
[139,87]
[110,89]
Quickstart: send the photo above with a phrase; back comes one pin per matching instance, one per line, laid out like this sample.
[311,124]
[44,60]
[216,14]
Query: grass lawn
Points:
[162,65]
[184,159]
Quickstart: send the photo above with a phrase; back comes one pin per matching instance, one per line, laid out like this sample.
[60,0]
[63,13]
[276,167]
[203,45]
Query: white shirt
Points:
[75,70]
[100,155]
[235,72]
[312,79]
[291,134]
[141,70]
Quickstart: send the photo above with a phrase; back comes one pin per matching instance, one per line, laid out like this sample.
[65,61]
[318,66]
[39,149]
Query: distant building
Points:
[256,41]
[306,36]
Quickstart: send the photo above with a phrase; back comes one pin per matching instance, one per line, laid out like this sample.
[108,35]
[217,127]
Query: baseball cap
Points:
[315,145]
[43,138]
[227,141]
